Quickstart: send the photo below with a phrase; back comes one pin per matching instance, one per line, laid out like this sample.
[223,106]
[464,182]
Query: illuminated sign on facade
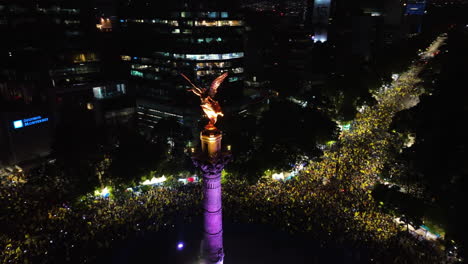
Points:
[321,12]
[416,8]
[320,18]
[29,121]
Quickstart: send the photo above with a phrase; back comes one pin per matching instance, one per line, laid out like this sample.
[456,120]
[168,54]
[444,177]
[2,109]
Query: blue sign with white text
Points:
[416,8]
[29,121]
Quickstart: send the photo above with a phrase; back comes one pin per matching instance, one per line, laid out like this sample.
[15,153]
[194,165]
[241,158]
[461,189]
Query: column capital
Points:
[211,166]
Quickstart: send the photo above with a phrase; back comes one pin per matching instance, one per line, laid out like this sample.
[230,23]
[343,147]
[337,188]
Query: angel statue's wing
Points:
[195,89]
[216,83]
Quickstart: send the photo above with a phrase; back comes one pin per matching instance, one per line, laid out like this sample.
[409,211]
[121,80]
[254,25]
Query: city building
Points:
[320,19]
[48,59]
[365,27]
[24,135]
[414,13]
[200,39]
[278,44]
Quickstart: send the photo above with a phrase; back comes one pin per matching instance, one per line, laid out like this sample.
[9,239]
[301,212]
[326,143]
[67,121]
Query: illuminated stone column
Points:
[211,162]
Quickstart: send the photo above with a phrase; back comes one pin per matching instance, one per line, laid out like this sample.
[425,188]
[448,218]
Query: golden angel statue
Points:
[208,104]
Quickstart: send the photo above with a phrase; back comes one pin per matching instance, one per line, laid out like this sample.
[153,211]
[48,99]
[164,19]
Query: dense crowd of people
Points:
[330,200]
[37,233]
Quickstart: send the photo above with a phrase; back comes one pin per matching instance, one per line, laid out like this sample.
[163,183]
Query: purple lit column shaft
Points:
[213,218]
[212,205]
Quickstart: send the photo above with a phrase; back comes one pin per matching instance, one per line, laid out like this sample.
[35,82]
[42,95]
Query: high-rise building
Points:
[414,13]
[36,62]
[320,19]
[393,21]
[25,134]
[48,58]
[200,39]
[415,7]
[365,27]
[48,50]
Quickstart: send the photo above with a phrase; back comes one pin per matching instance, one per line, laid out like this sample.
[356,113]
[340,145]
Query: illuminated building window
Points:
[164,54]
[224,14]
[214,56]
[222,64]
[176,31]
[121,88]
[164,113]
[69,11]
[179,56]
[102,92]
[202,23]
[209,72]
[140,66]
[225,56]
[85,57]
[212,14]
[185,14]
[218,23]
[136,73]
[205,23]
[232,23]
[238,70]
[148,115]
[234,55]
[208,40]
[105,25]
[174,23]
[97,91]
[79,58]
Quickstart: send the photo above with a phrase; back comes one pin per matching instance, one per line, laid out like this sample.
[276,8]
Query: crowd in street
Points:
[37,233]
[330,200]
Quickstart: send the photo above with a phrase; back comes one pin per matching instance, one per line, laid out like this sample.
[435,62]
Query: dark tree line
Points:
[284,134]
[438,156]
